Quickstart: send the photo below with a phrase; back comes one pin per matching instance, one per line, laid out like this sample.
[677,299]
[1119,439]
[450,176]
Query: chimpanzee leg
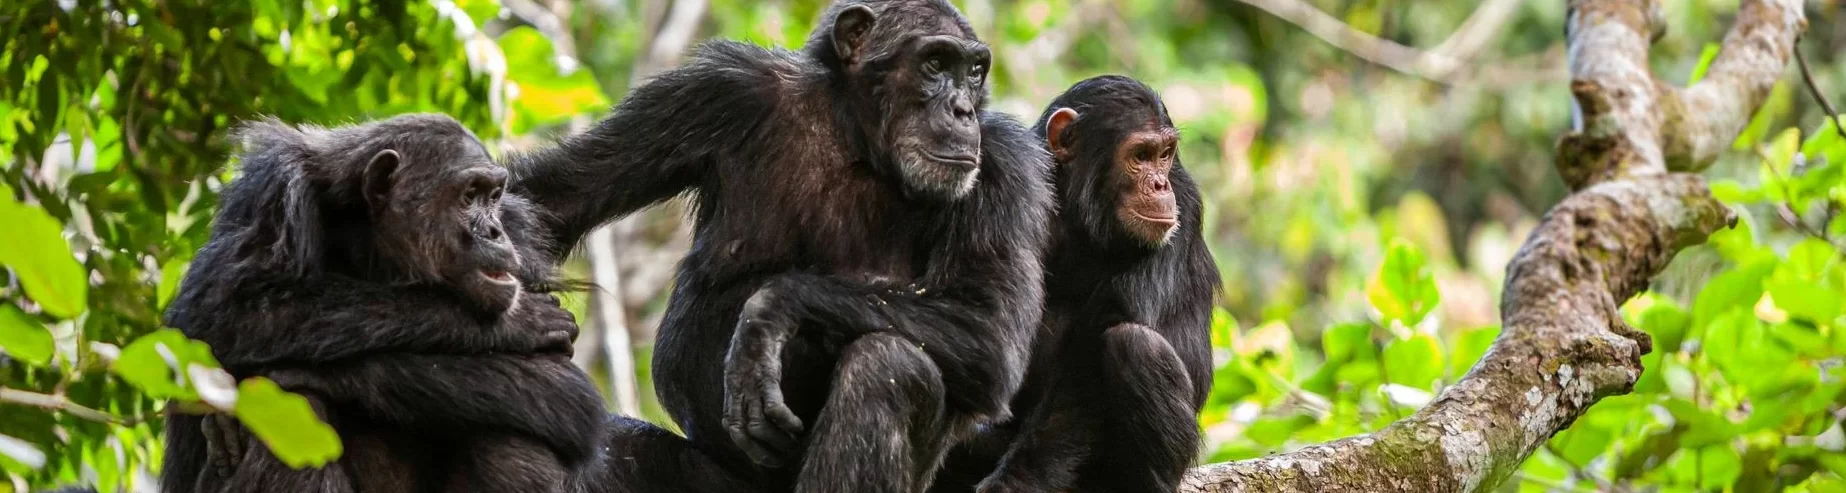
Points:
[1151,427]
[643,458]
[491,462]
[885,417]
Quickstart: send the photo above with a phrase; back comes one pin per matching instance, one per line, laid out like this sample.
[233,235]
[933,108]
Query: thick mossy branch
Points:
[1563,345]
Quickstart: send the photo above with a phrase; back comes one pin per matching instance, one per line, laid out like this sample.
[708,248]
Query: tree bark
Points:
[1563,345]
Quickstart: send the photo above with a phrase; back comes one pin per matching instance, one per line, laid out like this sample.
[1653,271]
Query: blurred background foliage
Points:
[1370,166]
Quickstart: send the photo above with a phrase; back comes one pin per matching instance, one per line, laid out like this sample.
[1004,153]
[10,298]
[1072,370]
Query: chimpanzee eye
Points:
[977,74]
[1144,154]
[1166,154]
[933,66]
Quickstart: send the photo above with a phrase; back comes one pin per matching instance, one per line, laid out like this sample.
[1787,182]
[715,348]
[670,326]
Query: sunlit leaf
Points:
[1340,342]
[35,249]
[1403,289]
[170,274]
[287,424]
[153,363]
[1705,58]
[23,338]
[1737,288]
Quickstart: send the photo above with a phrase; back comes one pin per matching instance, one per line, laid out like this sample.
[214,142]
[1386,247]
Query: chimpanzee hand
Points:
[225,441]
[539,324]
[754,414]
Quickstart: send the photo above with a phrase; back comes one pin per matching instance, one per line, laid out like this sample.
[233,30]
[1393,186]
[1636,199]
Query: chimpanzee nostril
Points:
[493,233]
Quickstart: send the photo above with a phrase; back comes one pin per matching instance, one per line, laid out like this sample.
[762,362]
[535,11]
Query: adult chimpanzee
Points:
[1122,362]
[335,253]
[866,155]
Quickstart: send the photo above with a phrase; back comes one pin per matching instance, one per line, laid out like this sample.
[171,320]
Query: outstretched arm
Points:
[541,396]
[660,141]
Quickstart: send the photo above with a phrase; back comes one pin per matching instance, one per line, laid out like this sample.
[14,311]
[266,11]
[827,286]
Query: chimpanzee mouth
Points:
[498,276]
[963,161]
[1168,221]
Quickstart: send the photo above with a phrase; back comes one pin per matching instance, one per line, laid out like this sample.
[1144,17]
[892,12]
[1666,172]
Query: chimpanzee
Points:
[865,273]
[1122,362]
[356,265]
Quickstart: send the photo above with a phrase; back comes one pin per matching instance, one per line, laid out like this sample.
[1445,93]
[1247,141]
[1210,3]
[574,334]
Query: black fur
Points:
[1122,363]
[891,310]
[348,280]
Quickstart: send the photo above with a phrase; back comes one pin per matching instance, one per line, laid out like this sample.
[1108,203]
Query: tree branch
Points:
[1440,65]
[1564,345]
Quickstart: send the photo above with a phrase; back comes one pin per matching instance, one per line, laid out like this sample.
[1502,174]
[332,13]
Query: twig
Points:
[52,402]
[1439,65]
[1808,77]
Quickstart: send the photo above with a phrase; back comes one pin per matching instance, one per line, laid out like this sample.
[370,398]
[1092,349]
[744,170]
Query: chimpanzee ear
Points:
[849,29]
[1054,133]
[378,176]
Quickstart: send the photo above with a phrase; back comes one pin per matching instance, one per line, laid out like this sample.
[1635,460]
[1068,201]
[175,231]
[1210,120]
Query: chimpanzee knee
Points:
[890,374]
[885,416]
[1152,432]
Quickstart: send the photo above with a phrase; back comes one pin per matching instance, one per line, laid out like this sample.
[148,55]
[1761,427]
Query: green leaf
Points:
[1340,342]
[37,252]
[23,338]
[1415,361]
[1470,347]
[1667,323]
[1705,58]
[1825,143]
[1403,289]
[1736,288]
[1719,466]
[154,362]
[1732,192]
[1582,443]
[1781,99]
[170,275]
[1806,299]
[1779,163]
[287,424]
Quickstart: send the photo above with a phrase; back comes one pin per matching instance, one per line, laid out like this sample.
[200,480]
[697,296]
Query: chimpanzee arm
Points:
[973,312]
[658,143]
[541,396]
[336,317]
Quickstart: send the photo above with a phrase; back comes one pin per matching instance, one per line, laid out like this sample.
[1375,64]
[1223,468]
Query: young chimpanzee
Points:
[868,154]
[1122,363]
[354,265]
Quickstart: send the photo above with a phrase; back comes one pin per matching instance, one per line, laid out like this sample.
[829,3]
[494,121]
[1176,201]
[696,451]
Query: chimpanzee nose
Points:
[484,182]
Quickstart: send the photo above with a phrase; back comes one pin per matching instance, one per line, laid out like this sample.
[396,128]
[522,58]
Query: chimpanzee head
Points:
[1116,151]
[413,199]
[434,200]
[915,77]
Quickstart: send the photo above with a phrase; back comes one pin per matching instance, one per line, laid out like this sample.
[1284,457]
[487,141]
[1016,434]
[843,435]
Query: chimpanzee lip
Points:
[499,276]
[1156,219]
[965,161]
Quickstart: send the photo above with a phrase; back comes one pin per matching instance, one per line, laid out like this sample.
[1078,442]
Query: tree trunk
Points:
[1564,346]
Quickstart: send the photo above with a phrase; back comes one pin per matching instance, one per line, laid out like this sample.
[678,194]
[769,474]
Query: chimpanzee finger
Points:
[741,436]
[779,413]
[779,443]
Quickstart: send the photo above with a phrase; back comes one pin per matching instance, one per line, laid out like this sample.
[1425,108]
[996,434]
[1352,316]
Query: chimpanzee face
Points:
[927,76]
[437,212]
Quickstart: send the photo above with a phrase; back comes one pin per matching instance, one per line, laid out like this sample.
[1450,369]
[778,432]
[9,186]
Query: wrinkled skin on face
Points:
[924,79]
[445,217]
